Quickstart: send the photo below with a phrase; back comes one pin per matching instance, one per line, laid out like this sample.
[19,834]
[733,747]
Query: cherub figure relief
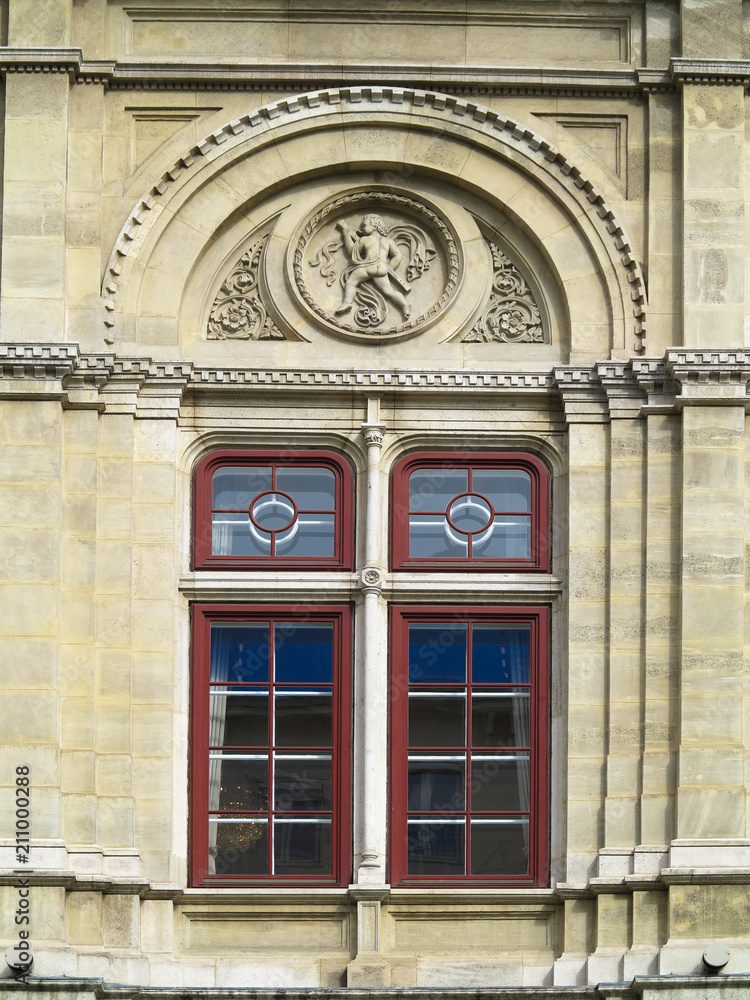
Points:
[374,257]
[382,264]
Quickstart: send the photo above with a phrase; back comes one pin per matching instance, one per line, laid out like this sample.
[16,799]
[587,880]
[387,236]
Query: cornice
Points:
[596,393]
[714,72]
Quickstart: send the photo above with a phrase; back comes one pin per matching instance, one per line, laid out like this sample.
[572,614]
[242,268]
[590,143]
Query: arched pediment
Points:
[492,182]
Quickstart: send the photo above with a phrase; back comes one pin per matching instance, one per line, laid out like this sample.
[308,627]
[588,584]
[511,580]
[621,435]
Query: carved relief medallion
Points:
[375,264]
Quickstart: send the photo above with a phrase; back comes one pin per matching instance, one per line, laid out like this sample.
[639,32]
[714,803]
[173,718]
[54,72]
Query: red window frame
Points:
[203,558]
[203,616]
[537,618]
[539,560]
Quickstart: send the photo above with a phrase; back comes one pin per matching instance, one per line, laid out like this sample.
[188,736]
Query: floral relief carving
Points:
[238,312]
[512,315]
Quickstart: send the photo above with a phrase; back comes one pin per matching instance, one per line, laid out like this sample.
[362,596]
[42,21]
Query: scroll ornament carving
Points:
[511,316]
[238,312]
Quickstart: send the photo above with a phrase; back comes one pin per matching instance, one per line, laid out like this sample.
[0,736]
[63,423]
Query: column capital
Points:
[373,434]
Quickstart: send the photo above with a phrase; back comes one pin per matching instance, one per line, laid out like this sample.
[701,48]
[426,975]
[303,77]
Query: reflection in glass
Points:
[437,720]
[239,653]
[302,782]
[234,488]
[428,538]
[303,718]
[238,717]
[302,846]
[238,781]
[500,655]
[436,784]
[436,848]
[500,784]
[433,489]
[312,489]
[437,654]
[237,846]
[506,489]
[303,653]
[500,847]
[510,538]
[500,718]
[234,535]
[311,535]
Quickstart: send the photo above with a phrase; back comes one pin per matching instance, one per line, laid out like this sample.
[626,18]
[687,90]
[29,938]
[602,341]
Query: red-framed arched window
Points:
[273,509]
[470,511]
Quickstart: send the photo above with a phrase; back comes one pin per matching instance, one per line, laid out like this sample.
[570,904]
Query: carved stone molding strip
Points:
[714,72]
[599,392]
[511,316]
[238,312]
[393,98]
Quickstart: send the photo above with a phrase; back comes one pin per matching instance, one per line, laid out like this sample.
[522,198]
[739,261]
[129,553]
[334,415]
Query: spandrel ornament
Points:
[238,312]
[511,315]
[381,273]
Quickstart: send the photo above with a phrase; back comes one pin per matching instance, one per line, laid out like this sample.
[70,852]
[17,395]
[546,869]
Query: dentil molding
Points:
[595,393]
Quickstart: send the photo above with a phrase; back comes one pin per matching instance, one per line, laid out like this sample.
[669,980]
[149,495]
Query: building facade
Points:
[374,498]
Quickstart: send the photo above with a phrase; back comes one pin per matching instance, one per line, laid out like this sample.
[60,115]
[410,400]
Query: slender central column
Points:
[374,677]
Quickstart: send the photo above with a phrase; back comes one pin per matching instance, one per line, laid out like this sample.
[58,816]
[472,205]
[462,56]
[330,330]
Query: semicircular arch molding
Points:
[405,133]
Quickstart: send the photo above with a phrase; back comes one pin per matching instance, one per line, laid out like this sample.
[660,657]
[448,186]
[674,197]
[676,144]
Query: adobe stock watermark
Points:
[18,956]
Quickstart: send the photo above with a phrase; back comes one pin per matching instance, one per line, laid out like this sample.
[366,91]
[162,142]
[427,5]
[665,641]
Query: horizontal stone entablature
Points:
[598,393]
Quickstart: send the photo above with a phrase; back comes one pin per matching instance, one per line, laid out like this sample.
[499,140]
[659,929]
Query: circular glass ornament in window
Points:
[376,264]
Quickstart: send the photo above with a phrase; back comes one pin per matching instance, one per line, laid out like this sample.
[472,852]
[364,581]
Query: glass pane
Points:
[437,720]
[239,653]
[500,655]
[273,512]
[238,718]
[235,488]
[431,537]
[436,784]
[506,489]
[437,654]
[312,535]
[304,653]
[500,719]
[235,535]
[510,538]
[500,784]
[500,847]
[302,783]
[436,848]
[237,846]
[470,513]
[312,489]
[433,489]
[303,718]
[302,847]
[237,782]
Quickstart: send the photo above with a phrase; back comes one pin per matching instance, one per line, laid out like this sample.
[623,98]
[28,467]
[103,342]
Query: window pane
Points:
[238,718]
[500,847]
[237,782]
[500,784]
[312,489]
[430,536]
[310,535]
[433,489]
[506,489]
[302,782]
[303,718]
[436,784]
[500,655]
[235,535]
[237,846]
[436,848]
[510,538]
[302,847]
[303,653]
[239,653]
[500,719]
[437,720]
[236,487]
[437,654]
